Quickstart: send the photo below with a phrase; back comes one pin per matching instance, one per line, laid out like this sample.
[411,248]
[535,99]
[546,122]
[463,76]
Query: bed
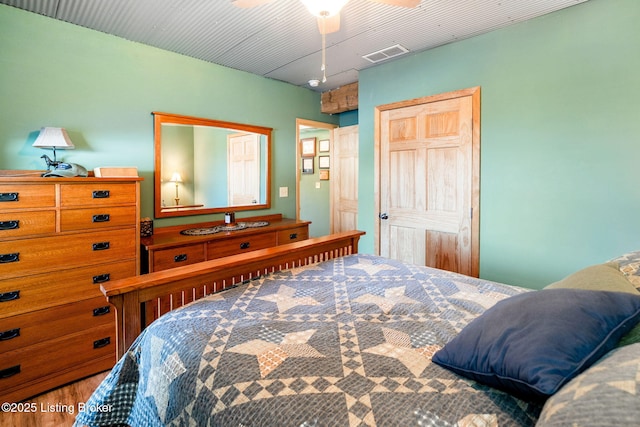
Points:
[337,339]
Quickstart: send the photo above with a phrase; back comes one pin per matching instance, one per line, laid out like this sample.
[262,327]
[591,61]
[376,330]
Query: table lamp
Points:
[52,138]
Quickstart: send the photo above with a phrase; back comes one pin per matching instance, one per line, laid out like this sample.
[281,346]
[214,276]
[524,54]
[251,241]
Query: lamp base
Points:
[50,163]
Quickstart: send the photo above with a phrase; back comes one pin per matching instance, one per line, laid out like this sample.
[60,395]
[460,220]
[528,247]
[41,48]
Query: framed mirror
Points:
[207,166]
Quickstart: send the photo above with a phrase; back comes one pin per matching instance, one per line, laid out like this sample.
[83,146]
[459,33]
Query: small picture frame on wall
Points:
[324,162]
[324,175]
[323,146]
[308,147]
[307,165]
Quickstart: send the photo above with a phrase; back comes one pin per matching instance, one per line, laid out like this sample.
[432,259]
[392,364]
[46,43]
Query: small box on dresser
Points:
[60,238]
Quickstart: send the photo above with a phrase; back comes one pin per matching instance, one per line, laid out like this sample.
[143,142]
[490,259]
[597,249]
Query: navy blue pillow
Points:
[531,344]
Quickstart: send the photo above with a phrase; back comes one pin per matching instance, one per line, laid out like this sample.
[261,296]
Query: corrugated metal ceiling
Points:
[280,39]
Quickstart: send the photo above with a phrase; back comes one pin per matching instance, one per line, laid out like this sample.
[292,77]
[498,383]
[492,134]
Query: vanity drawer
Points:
[93,218]
[38,326]
[53,357]
[36,292]
[237,245]
[97,194]
[293,235]
[20,196]
[39,255]
[19,224]
[164,259]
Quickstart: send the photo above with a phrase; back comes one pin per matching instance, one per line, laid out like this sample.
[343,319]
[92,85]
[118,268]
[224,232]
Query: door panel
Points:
[344,179]
[244,169]
[427,182]
[409,244]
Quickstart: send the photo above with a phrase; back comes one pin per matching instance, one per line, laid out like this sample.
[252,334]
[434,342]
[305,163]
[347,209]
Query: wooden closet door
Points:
[344,179]
[428,187]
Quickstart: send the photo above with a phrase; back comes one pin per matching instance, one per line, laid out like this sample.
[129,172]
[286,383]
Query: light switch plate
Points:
[284,191]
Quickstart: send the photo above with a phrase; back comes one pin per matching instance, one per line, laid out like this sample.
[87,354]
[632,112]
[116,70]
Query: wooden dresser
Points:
[59,239]
[167,248]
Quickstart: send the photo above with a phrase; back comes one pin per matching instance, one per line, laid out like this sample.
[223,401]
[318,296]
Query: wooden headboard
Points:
[139,300]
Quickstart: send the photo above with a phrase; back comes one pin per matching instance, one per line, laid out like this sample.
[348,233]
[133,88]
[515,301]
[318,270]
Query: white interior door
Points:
[244,169]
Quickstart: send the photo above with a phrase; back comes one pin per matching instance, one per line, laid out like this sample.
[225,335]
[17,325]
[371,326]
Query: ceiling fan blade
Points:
[249,3]
[401,3]
[329,25]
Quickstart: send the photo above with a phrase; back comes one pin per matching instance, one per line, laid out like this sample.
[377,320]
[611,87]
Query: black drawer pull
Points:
[101,246]
[245,245]
[9,197]
[101,278]
[9,225]
[101,218]
[9,296]
[9,372]
[101,194]
[10,334]
[180,258]
[293,236]
[7,258]
[102,342]
[101,311]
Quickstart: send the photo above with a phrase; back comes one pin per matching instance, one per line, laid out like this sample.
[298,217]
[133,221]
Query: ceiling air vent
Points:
[386,53]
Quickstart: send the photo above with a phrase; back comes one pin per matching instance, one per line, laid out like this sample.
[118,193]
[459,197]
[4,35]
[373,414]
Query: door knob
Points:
[383,215]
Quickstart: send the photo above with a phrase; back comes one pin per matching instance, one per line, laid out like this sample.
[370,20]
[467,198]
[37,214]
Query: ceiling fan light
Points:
[324,8]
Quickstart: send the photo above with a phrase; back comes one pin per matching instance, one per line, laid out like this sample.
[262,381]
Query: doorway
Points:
[313,175]
[427,178]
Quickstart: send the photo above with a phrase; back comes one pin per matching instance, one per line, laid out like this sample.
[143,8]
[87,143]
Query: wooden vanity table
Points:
[167,248]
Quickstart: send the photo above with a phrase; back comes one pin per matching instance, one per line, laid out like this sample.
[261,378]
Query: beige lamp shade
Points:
[54,138]
[176,177]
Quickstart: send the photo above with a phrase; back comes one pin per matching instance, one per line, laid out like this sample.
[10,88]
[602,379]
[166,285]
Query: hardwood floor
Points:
[56,408]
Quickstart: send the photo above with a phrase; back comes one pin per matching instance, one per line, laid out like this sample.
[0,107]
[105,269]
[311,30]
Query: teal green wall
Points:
[560,149]
[178,156]
[102,89]
[315,202]
[348,118]
[210,170]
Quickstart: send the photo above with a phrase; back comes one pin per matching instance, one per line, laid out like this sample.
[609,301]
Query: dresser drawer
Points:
[237,245]
[293,235]
[20,196]
[177,257]
[38,326]
[97,194]
[39,255]
[30,293]
[52,357]
[94,218]
[19,224]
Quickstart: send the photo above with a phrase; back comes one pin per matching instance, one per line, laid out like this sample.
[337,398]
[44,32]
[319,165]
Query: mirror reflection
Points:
[206,166]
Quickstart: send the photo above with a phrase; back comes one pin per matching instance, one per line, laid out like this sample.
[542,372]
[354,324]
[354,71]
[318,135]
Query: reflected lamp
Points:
[177,179]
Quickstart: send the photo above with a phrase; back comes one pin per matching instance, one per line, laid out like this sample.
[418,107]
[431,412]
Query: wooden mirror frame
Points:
[159,119]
